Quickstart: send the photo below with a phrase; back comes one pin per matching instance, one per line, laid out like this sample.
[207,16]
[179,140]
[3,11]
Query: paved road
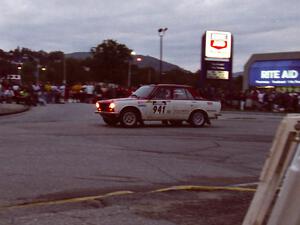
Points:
[65,151]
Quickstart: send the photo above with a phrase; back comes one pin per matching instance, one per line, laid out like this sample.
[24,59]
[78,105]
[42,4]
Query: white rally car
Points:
[168,103]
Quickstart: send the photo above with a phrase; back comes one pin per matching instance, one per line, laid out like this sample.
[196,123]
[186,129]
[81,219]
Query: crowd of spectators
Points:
[270,100]
[45,93]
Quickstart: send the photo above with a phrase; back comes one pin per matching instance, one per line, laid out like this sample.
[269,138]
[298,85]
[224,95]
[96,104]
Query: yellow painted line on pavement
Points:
[64,201]
[205,188]
[119,193]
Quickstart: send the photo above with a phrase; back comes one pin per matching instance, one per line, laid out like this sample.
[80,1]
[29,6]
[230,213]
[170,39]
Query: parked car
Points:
[168,103]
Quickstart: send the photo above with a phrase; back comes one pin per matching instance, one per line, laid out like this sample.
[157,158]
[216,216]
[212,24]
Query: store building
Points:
[280,71]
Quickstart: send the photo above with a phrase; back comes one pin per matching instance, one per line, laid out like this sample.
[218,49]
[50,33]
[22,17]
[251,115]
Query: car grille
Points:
[104,107]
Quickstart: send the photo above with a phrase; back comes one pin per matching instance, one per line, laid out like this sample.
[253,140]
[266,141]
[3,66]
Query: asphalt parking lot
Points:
[76,170]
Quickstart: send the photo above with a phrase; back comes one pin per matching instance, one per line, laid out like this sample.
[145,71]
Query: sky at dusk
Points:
[258,26]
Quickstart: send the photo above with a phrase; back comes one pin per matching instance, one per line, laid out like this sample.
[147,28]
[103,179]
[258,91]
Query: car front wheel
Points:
[197,119]
[129,118]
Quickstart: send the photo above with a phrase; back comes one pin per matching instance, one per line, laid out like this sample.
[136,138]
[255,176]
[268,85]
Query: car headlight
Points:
[111,107]
[98,106]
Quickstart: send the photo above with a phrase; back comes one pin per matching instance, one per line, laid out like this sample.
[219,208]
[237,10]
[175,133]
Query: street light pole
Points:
[161,32]
[129,69]
[19,70]
[37,72]
[64,70]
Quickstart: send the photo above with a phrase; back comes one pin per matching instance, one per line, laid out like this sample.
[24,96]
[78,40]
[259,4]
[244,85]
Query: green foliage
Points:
[28,72]
[143,76]
[7,68]
[110,61]
[180,77]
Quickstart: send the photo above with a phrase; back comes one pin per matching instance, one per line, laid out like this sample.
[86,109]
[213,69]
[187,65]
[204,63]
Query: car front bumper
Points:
[108,114]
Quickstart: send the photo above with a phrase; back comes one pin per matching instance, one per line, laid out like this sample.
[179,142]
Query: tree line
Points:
[108,62]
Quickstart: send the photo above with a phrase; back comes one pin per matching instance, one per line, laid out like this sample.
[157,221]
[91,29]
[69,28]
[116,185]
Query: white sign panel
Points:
[218,44]
[215,74]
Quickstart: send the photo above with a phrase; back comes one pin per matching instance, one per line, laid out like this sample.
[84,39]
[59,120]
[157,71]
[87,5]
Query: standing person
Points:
[62,92]
[8,95]
[254,98]
[48,92]
[67,93]
[242,99]
[270,100]
[261,99]
[97,93]
[1,93]
[294,102]
[36,89]
[89,91]
[55,93]
[76,91]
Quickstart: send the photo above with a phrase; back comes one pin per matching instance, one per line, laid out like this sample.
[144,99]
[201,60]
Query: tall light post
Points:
[161,32]
[129,69]
[64,70]
[19,69]
[37,72]
[38,68]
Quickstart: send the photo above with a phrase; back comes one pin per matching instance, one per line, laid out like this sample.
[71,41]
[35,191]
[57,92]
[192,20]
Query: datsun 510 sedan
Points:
[171,104]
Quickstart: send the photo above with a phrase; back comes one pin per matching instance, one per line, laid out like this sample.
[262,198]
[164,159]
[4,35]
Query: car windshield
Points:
[143,92]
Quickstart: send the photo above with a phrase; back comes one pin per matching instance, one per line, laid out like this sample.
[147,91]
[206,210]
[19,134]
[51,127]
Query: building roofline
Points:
[272,56]
[267,57]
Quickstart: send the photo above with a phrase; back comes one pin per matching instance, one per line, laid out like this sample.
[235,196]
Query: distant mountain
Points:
[147,61]
[237,74]
[78,55]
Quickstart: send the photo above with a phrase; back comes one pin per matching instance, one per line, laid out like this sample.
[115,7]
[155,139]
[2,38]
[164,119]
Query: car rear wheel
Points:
[197,119]
[129,118]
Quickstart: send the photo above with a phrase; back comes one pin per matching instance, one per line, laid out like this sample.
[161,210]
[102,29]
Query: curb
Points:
[205,188]
[253,113]
[14,111]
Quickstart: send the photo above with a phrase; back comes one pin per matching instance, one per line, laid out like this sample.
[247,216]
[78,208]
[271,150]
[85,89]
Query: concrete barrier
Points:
[277,199]
[286,210]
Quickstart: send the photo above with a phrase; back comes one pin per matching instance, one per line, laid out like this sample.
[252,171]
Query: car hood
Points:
[118,99]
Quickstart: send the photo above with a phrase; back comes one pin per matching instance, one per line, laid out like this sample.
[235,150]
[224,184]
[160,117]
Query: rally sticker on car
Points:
[159,107]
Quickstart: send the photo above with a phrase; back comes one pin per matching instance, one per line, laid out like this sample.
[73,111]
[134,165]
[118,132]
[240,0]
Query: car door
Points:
[159,106]
[182,103]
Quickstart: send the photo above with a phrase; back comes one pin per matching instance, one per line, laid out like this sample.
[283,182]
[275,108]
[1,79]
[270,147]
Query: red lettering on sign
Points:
[216,44]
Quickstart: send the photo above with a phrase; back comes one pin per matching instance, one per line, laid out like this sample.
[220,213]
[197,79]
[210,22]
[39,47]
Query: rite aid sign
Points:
[218,44]
[275,73]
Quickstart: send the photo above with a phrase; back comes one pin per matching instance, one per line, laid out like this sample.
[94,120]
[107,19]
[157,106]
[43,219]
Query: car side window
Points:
[189,95]
[180,94]
[163,93]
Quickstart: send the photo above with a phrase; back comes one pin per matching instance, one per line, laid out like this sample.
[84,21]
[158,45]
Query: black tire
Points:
[110,121]
[129,118]
[175,122]
[197,119]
